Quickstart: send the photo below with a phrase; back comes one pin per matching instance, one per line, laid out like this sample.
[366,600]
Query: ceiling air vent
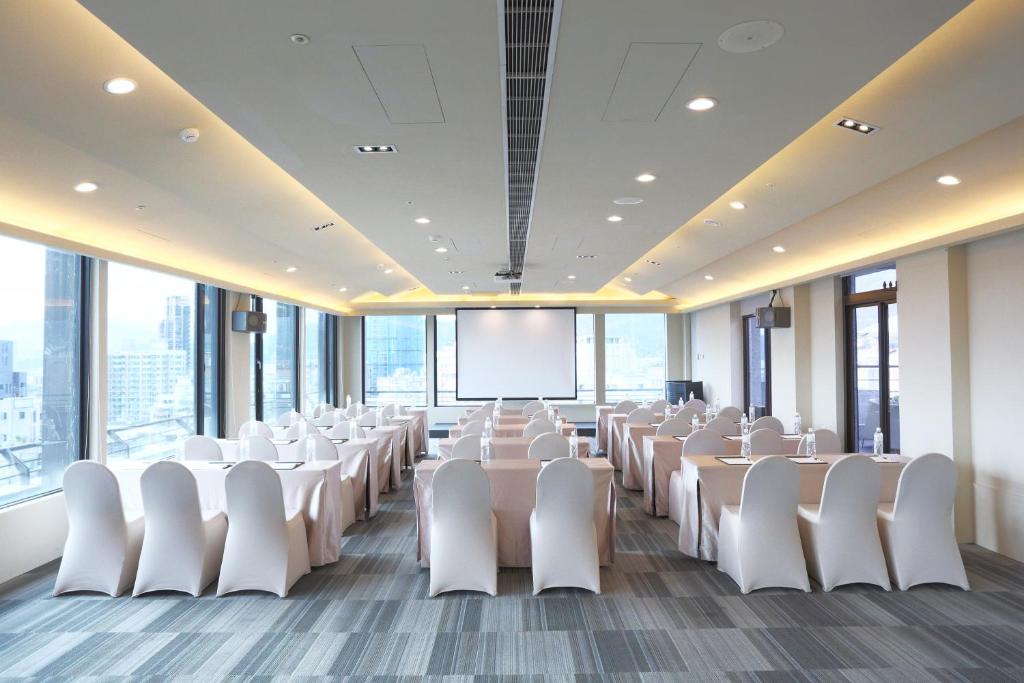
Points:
[529,29]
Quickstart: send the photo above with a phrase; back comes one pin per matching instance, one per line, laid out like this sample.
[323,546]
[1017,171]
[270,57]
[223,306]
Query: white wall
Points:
[827,385]
[31,534]
[717,348]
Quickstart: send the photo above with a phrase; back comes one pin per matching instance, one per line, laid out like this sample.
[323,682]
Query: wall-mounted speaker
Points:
[249,321]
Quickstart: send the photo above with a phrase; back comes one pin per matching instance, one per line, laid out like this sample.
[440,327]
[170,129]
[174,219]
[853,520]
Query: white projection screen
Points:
[515,353]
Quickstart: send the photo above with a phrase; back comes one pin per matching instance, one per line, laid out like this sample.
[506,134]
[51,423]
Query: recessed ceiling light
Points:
[422,220]
[537,306]
[86,186]
[290,269]
[709,277]
[779,249]
[646,178]
[465,288]
[455,272]
[376,149]
[442,250]
[947,180]
[120,86]
[653,263]
[388,271]
[701,104]
[342,289]
[585,256]
[737,204]
[627,279]
[627,201]
[712,222]
[571,277]
[299,38]
[857,126]
[614,219]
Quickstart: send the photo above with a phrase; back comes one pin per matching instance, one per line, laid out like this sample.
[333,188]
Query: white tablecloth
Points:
[506,448]
[509,430]
[616,437]
[601,419]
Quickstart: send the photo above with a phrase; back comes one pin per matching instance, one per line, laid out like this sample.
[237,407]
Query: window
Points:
[634,356]
[444,360]
[210,373]
[395,359]
[274,385]
[151,397]
[316,360]
[757,366]
[586,383]
[42,371]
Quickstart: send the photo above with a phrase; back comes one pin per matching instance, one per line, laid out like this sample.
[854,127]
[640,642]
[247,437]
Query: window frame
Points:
[257,305]
[426,354]
[604,345]
[200,351]
[767,365]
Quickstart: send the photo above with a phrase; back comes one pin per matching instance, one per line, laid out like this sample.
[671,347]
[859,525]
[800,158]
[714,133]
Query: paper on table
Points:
[680,438]
[733,460]
[806,460]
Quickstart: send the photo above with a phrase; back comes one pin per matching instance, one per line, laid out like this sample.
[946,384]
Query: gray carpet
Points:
[662,617]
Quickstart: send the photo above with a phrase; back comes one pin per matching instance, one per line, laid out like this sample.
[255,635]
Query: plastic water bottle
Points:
[243,448]
[798,426]
[879,442]
[310,448]
[380,418]
[681,401]
[488,427]
[348,401]
[718,407]
[744,424]
[691,398]
[751,413]
[574,445]
[745,446]
[485,448]
[303,431]
[812,446]
[694,423]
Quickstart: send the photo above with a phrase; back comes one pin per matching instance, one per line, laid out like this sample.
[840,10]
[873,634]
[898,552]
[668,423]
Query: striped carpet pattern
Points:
[661,617]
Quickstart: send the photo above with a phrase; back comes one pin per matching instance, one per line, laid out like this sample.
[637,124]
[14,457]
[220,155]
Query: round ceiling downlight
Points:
[299,38]
[750,36]
[701,104]
[120,86]
[948,180]
[646,178]
[627,201]
[86,186]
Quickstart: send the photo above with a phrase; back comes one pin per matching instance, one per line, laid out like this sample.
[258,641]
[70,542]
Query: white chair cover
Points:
[266,550]
[840,536]
[260,448]
[825,441]
[562,533]
[766,442]
[548,446]
[321,409]
[479,415]
[369,419]
[463,530]
[659,406]
[723,426]
[200,448]
[262,429]
[388,410]
[731,412]
[316,447]
[326,418]
[288,417]
[473,427]
[674,427]
[687,414]
[698,405]
[758,540]
[700,442]
[343,429]
[640,416]
[351,411]
[466,448]
[917,530]
[624,407]
[767,422]
[532,407]
[295,430]
[101,552]
[183,546]
[488,407]
[538,426]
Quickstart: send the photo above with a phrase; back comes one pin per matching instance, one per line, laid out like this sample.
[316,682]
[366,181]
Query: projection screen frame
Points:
[575,376]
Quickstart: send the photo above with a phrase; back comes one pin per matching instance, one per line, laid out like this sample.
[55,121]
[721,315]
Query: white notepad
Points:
[285,465]
[806,460]
[733,460]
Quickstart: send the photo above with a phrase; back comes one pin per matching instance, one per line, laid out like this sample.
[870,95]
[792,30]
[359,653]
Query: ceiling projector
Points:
[507,276]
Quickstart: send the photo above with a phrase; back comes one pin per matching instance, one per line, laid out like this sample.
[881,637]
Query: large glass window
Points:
[634,356]
[757,366]
[41,317]
[395,359]
[211,375]
[151,397]
[444,358]
[586,384]
[276,360]
[315,360]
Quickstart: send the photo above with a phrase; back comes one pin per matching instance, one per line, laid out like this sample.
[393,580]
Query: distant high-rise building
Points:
[12,384]
[176,327]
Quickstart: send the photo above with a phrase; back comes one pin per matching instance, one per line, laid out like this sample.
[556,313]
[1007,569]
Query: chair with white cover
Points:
[532,407]
[488,407]
[256,428]
[700,442]
[259,448]
[640,416]
[351,411]
[659,406]
[200,448]
[548,446]
[917,529]
[369,419]
[766,442]
[563,537]
[840,535]
[624,407]
[101,552]
[466,448]
[758,540]
[326,418]
[538,426]
[343,429]
[825,442]
[731,412]
[183,544]
[723,426]
[674,427]
[767,422]
[473,427]
[479,415]
[266,548]
[321,409]
[318,447]
[387,410]
[300,429]
[463,530]
[288,418]
[687,414]
[700,406]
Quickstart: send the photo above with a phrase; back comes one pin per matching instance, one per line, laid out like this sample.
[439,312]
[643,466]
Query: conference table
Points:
[709,483]
[415,442]
[616,437]
[509,430]
[314,488]
[513,497]
[601,421]
[506,448]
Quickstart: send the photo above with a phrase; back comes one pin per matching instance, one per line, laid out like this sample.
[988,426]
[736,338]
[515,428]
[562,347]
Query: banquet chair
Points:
[700,406]
[731,412]
[767,422]
[659,406]
[687,414]
[825,441]
[316,447]
[538,426]
[295,431]
[342,430]
[917,530]
[758,540]
[369,419]
[640,416]
[466,447]
[351,411]
[624,407]
[260,429]
[840,535]
[260,448]
[183,545]
[327,418]
[563,537]
[700,442]
[479,415]
[463,530]
[674,427]
[200,448]
[321,409]
[101,552]
[388,410]
[723,426]
[766,442]
[488,407]
[532,407]
[288,418]
[548,446]
[266,548]
[473,427]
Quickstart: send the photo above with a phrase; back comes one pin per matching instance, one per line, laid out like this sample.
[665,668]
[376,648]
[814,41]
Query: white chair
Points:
[766,442]
[479,415]
[840,536]
[548,447]
[266,549]
[731,412]
[488,408]
[723,426]
[659,406]
[640,416]
[698,405]
[101,552]
[532,407]
[825,441]
[300,429]
[917,530]
[255,428]
[201,448]
[342,430]
[700,442]
[388,410]
[674,427]
[473,427]
[463,530]
[259,447]
[326,418]
[318,447]
[288,418]
[538,426]
[758,540]
[369,419]
[624,407]
[351,411]
[321,409]
[183,545]
[687,414]
[563,537]
[466,448]
[767,422]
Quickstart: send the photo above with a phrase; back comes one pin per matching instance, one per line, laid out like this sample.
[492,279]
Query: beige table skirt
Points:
[506,448]
[513,496]
[509,430]
[617,438]
[601,419]
[633,454]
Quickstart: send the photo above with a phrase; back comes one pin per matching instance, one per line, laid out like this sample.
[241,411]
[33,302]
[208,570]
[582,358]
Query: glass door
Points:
[873,389]
[757,367]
